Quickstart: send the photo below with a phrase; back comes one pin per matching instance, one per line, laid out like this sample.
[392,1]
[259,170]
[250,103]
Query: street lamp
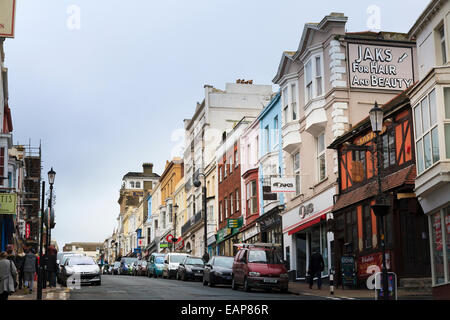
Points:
[51,180]
[197,184]
[380,208]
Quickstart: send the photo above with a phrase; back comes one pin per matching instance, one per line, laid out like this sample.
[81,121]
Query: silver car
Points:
[82,270]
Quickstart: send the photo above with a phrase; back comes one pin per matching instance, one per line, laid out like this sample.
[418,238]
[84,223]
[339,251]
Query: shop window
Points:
[367,227]
[426,132]
[438,248]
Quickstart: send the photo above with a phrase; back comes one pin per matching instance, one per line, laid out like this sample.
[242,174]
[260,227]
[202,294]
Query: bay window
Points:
[297,172]
[318,76]
[252,199]
[447,121]
[426,132]
[294,101]
[313,74]
[275,131]
[308,81]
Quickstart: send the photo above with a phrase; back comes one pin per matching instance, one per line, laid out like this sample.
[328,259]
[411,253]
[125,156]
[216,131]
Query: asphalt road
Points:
[116,287]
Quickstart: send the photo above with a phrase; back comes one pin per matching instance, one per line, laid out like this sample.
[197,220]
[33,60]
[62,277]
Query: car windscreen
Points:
[194,261]
[264,256]
[224,262]
[159,260]
[65,257]
[176,258]
[81,261]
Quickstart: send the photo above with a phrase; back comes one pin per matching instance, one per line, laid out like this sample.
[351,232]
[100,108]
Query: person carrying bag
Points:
[8,274]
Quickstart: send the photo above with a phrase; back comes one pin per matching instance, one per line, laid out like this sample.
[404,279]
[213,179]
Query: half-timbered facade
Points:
[356,228]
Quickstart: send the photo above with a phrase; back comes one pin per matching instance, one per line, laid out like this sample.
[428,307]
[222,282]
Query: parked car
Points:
[190,268]
[61,259]
[259,266]
[142,268]
[155,265]
[115,267]
[171,262]
[125,265]
[82,269]
[218,270]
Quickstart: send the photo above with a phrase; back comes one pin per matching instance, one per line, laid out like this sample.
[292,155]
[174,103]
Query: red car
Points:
[259,265]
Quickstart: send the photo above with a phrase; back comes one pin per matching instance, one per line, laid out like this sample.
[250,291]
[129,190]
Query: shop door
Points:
[414,240]
[300,239]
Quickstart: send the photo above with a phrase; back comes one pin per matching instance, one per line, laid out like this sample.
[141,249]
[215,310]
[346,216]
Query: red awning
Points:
[307,224]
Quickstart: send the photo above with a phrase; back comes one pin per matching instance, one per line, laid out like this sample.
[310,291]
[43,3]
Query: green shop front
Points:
[228,236]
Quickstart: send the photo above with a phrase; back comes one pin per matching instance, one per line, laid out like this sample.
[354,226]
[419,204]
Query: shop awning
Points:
[307,224]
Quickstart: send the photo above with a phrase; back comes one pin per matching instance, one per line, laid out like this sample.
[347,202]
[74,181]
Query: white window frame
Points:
[275,132]
[320,154]
[420,138]
[285,95]
[294,100]
[267,139]
[311,63]
[296,171]
[442,44]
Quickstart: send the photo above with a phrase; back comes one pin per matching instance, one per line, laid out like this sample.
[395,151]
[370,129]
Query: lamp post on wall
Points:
[197,184]
[380,208]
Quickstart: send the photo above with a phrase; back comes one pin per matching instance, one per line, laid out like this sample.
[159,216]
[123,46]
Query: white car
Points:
[171,262]
[81,269]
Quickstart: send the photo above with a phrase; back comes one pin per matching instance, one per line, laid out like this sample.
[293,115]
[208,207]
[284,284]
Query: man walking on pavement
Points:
[51,266]
[30,266]
[316,266]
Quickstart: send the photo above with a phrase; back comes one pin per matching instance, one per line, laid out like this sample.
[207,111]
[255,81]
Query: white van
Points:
[171,262]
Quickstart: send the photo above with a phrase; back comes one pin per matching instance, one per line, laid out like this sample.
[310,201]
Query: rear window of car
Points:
[264,256]
[224,262]
[176,258]
[194,261]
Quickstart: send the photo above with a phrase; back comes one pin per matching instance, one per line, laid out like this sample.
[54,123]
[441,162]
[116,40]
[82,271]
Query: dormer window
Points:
[138,185]
[132,184]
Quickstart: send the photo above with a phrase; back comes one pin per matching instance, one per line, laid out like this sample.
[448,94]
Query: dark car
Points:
[190,268]
[259,266]
[218,270]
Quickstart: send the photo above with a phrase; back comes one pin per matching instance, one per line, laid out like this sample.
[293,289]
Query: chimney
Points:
[148,168]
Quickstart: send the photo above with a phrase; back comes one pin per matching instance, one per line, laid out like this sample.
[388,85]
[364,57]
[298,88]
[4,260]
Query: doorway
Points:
[300,240]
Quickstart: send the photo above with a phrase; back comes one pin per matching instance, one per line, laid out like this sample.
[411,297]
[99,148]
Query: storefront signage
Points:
[234,223]
[283,185]
[348,270]
[368,137]
[222,234]
[8,202]
[366,263]
[305,210]
[7,18]
[27,231]
[380,67]
[438,231]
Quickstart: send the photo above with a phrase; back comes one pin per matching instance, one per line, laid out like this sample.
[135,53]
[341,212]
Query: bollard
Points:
[331,281]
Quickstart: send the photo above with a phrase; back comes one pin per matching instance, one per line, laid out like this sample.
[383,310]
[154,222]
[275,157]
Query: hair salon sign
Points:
[7,17]
[380,67]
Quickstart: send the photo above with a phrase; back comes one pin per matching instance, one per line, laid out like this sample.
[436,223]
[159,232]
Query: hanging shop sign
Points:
[27,231]
[282,185]
[234,223]
[366,264]
[140,242]
[7,18]
[8,203]
[380,67]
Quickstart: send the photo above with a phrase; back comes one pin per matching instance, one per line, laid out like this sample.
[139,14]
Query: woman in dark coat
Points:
[51,266]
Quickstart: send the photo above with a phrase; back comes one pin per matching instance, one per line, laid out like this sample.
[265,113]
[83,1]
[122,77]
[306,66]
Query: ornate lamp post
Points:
[380,208]
[197,184]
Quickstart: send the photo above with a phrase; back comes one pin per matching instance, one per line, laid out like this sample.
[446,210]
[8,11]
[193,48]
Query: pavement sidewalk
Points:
[57,293]
[302,288]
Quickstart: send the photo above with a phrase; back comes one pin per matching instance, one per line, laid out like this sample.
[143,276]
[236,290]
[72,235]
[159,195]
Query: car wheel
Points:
[246,286]
[177,276]
[155,275]
[233,284]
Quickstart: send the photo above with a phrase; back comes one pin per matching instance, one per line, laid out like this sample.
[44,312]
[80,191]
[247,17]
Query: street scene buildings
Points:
[344,158]
[314,135]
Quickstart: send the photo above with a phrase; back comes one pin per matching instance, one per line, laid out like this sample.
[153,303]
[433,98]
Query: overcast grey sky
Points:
[106,97]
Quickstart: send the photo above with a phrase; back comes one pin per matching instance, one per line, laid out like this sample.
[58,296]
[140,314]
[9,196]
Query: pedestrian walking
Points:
[19,266]
[8,274]
[316,266]
[51,266]
[29,269]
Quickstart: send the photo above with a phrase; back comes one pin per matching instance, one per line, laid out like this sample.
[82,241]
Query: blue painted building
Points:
[270,166]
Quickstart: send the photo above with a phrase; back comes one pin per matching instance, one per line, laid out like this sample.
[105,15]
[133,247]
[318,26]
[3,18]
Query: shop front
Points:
[226,239]
[270,226]
[305,231]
